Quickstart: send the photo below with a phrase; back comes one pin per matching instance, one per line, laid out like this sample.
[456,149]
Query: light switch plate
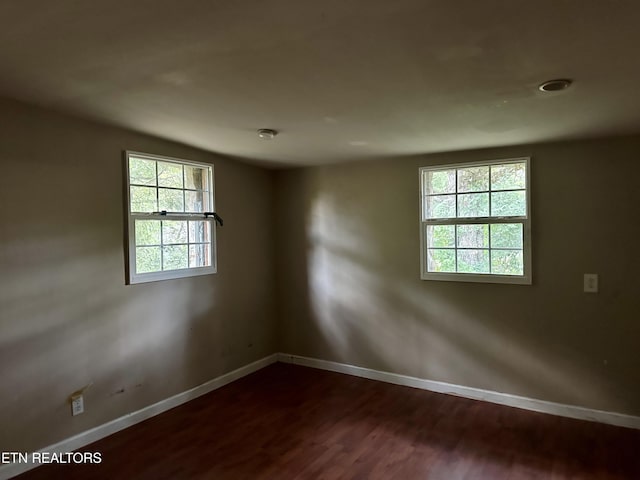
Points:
[591,282]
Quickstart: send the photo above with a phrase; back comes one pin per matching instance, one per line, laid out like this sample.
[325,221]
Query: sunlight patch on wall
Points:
[68,320]
[373,318]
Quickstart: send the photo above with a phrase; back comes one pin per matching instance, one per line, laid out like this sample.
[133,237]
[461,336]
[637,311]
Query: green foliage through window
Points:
[181,238]
[475,218]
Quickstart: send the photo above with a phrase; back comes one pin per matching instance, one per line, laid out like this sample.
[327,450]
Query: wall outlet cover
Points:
[77,405]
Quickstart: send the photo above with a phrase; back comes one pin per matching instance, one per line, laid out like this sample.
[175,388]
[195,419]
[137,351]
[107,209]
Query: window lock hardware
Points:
[215,216]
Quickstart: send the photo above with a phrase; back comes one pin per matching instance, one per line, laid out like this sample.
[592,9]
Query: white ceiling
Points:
[340,79]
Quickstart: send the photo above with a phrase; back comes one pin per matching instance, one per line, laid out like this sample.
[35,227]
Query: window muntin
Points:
[169,235]
[475,222]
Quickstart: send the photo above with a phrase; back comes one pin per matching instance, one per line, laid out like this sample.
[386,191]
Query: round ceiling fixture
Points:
[267,133]
[555,85]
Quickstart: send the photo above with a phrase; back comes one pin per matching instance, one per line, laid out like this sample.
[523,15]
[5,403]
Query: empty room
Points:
[319,240]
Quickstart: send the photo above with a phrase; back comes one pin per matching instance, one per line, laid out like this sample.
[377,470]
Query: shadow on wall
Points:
[369,307]
[67,320]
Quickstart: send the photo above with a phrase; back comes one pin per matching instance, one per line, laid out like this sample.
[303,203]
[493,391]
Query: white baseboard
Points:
[525,403]
[97,433]
[109,428]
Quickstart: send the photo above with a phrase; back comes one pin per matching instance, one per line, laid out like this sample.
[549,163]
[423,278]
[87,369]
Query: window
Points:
[475,222]
[170,230]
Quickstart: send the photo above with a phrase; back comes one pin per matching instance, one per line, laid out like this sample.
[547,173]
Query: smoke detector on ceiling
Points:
[555,85]
[267,133]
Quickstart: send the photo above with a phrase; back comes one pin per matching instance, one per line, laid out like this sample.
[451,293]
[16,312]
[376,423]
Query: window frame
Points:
[527,277]
[132,277]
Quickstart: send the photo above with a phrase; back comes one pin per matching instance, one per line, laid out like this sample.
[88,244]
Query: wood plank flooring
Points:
[290,422]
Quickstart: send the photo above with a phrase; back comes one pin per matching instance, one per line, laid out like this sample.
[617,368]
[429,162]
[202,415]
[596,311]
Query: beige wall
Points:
[66,316]
[344,280]
[349,287]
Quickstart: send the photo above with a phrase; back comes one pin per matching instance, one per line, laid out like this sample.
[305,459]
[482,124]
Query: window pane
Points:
[506,235]
[441,260]
[174,231]
[196,201]
[196,178]
[507,262]
[473,261]
[505,204]
[175,257]
[142,172]
[199,255]
[473,236]
[147,232]
[441,236]
[443,181]
[171,200]
[441,206]
[508,177]
[143,199]
[473,205]
[147,259]
[475,179]
[169,175]
[199,232]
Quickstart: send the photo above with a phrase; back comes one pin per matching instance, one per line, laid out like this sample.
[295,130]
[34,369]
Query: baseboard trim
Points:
[570,411]
[85,438]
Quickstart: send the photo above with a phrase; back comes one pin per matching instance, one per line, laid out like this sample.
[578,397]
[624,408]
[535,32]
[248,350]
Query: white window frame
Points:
[132,276]
[526,278]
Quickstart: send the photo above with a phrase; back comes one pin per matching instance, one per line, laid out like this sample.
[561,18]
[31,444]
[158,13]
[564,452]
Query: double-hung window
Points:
[170,231]
[475,222]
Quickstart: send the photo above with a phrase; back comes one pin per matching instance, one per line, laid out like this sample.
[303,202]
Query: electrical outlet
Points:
[77,405]
[591,282]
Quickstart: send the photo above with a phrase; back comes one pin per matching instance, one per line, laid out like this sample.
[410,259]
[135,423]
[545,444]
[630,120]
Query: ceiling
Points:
[340,80]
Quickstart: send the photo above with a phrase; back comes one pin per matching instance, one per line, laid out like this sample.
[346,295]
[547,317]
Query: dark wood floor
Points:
[289,422]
